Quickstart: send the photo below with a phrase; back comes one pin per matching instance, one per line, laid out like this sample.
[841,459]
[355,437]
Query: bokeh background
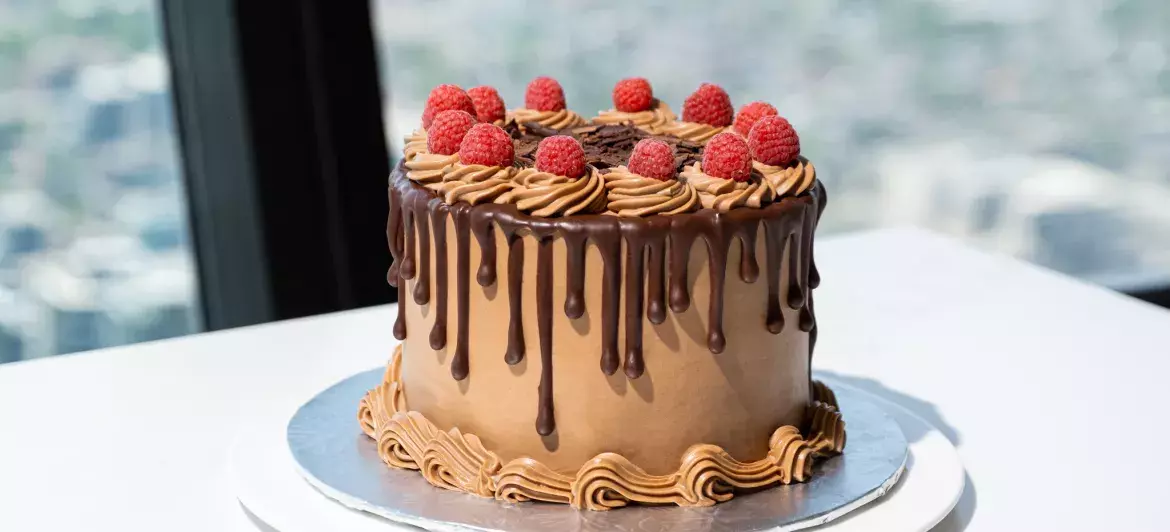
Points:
[1039,129]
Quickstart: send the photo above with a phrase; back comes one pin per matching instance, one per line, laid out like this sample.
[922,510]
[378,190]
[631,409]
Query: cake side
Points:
[637,353]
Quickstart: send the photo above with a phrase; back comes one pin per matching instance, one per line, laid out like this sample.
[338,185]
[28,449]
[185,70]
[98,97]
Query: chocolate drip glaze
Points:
[438,338]
[422,286]
[481,226]
[653,245]
[609,243]
[461,216]
[515,352]
[575,273]
[546,422]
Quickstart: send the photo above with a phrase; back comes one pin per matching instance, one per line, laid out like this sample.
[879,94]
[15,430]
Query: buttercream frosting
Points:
[427,168]
[562,119]
[692,131]
[630,194]
[726,194]
[706,475]
[651,120]
[790,180]
[416,143]
[545,194]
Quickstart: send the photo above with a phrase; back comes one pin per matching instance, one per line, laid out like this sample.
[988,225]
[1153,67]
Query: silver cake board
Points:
[341,462]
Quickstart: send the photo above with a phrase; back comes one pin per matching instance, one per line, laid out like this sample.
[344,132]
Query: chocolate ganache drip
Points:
[657,251]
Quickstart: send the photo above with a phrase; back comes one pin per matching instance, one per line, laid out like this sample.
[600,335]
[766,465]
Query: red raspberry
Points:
[488,145]
[544,94]
[751,112]
[632,95]
[773,141]
[489,107]
[652,158]
[560,155]
[726,155]
[444,98]
[710,105]
[447,130]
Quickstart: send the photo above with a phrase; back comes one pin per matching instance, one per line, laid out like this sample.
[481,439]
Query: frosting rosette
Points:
[562,119]
[726,194]
[474,183]
[545,194]
[426,168]
[415,143]
[632,195]
[790,180]
[652,120]
[692,131]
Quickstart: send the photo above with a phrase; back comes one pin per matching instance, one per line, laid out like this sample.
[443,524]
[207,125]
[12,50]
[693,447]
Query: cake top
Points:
[634,160]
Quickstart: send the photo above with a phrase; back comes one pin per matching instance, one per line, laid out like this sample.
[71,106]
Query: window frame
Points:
[279,119]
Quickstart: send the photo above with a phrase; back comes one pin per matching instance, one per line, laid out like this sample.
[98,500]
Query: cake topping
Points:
[634,195]
[791,180]
[773,141]
[489,107]
[652,158]
[447,131]
[653,120]
[710,105]
[750,113]
[727,156]
[486,144]
[632,95]
[545,194]
[561,155]
[544,94]
[444,98]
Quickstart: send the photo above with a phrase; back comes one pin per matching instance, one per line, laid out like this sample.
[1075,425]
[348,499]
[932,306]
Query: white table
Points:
[1048,387]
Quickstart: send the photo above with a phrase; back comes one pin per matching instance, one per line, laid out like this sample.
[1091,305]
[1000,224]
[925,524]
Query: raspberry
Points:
[710,105]
[489,107]
[488,145]
[444,98]
[751,112]
[560,155]
[632,95]
[726,155]
[773,141]
[652,158]
[447,130]
[544,94]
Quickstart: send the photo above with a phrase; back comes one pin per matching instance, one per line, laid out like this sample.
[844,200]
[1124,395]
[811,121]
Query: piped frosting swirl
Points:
[692,131]
[633,195]
[707,474]
[790,180]
[544,194]
[726,194]
[652,120]
[416,143]
[427,168]
[474,183]
[562,119]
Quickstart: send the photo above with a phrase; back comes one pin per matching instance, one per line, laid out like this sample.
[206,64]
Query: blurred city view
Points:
[93,238]
[1038,128]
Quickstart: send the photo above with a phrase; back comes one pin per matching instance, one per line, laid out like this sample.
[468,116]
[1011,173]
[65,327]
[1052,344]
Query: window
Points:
[94,247]
[1038,129]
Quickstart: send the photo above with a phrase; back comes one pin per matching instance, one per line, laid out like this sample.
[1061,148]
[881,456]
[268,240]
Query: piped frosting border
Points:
[706,474]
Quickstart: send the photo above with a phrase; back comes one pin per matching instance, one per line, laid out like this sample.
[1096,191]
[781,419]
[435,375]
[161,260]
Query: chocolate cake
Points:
[604,311]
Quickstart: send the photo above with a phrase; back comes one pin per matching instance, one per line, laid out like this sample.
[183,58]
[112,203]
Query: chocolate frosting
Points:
[706,473]
[651,244]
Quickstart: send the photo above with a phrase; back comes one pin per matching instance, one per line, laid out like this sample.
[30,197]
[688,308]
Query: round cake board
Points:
[271,483]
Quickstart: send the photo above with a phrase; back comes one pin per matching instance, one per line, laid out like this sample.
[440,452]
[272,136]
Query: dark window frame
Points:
[279,115]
